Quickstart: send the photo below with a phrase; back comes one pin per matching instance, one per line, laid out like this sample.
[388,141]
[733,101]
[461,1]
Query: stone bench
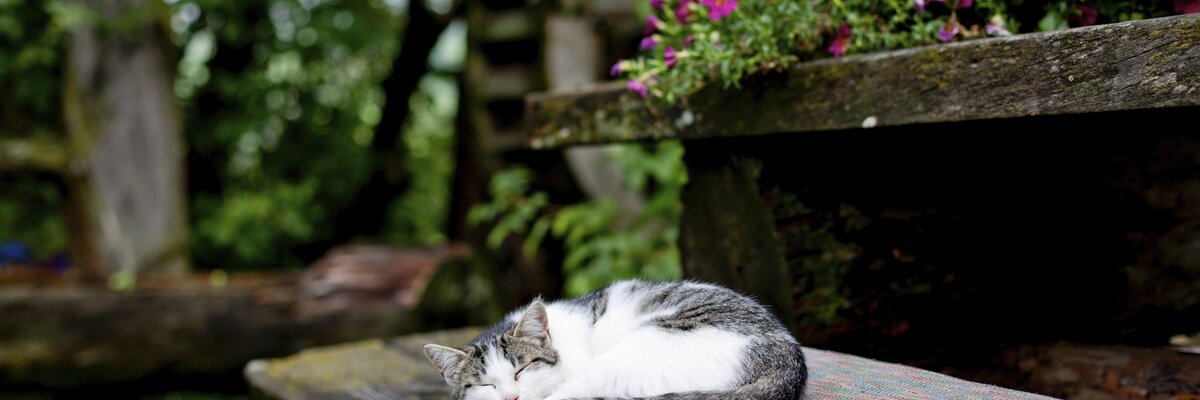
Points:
[397,369]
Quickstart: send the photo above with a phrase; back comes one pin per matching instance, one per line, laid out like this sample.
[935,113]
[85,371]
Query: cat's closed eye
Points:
[517,375]
[471,385]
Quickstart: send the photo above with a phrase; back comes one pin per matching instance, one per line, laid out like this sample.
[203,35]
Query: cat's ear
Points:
[534,324]
[443,357]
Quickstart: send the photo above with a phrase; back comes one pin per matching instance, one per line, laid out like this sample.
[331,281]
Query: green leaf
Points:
[536,234]
[1052,22]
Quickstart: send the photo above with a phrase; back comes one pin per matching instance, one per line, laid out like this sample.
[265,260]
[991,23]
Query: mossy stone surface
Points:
[370,369]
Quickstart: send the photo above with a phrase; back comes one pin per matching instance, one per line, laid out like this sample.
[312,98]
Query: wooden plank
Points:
[1146,64]
[58,335]
[65,335]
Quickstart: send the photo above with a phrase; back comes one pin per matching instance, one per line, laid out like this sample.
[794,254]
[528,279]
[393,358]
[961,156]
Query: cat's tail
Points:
[781,374]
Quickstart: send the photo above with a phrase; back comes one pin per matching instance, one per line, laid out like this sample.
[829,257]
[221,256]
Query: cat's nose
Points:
[510,397]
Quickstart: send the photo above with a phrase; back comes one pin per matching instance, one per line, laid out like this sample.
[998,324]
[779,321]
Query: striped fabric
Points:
[837,376]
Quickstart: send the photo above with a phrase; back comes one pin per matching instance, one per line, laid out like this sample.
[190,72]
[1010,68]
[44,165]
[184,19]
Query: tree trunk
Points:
[122,117]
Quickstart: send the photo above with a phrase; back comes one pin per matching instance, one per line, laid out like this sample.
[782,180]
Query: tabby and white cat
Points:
[634,339]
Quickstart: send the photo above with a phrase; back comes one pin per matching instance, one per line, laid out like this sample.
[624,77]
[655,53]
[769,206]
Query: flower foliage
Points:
[689,44]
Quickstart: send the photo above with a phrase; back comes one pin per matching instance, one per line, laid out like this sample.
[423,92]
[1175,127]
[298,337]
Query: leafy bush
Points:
[602,244]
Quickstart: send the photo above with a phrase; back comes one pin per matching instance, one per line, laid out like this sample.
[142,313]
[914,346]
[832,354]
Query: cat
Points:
[631,340]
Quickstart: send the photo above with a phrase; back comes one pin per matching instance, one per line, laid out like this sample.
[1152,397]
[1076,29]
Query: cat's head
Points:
[518,363]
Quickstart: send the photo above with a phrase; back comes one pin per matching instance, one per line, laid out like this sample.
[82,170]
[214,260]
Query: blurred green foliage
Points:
[303,81]
[602,244]
[279,100]
[31,34]
[419,217]
[24,206]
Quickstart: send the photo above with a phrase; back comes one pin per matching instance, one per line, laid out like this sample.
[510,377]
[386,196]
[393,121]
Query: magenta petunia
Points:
[948,32]
[1087,16]
[648,43]
[656,4]
[617,69]
[965,4]
[683,13]
[638,86]
[842,42]
[652,25]
[670,57]
[687,41]
[718,9]
[1187,6]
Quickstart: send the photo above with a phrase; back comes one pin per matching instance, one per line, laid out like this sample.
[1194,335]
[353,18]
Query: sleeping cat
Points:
[633,339]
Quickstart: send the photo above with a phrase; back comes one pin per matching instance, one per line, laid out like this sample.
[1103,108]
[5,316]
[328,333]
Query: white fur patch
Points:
[498,371]
[623,355]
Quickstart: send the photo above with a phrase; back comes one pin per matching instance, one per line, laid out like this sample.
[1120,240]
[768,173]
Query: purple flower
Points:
[639,87]
[1086,17]
[1187,6]
[648,43]
[656,4]
[617,69]
[948,32]
[670,57]
[921,4]
[842,42]
[652,25]
[683,14]
[718,9]
[687,41]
